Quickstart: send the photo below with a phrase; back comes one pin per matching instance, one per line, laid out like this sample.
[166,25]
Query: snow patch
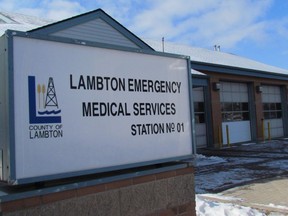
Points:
[211,208]
[202,160]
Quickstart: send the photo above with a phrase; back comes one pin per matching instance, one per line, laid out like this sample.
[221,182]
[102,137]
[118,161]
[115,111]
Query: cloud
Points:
[200,23]
[281,27]
[203,22]
[124,11]
[59,9]
[50,9]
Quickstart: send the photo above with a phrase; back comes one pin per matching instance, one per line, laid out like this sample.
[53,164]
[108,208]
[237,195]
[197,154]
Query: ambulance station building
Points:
[236,100]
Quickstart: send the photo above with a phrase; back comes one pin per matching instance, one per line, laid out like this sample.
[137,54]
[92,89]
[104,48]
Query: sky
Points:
[256,29]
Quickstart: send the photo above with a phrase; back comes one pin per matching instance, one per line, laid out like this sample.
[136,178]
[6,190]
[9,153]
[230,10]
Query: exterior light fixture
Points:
[259,89]
[216,86]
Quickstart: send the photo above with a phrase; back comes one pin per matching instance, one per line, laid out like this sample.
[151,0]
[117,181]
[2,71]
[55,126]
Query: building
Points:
[163,186]
[236,99]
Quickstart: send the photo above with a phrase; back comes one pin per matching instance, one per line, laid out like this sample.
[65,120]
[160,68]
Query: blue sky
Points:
[256,29]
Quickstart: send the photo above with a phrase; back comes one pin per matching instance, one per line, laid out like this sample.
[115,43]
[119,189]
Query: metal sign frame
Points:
[9,146]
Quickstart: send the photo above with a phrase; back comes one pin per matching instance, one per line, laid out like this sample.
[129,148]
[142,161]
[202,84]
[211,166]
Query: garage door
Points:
[272,108]
[199,112]
[235,112]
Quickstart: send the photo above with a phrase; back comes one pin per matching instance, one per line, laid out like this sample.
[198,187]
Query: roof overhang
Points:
[236,71]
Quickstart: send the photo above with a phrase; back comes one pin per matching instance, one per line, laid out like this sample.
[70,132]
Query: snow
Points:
[202,160]
[20,22]
[215,180]
[219,179]
[278,206]
[213,57]
[212,208]
[283,164]
[204,182]
[195,72]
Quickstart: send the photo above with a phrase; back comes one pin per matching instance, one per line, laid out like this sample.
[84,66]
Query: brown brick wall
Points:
[259,111]
[215,112]
[216,106]
[167,193]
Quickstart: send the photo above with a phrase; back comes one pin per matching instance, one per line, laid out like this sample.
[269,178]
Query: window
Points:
[234,101]
[271,97]
[272,110]
[199,104]
[199,112]
[235,111]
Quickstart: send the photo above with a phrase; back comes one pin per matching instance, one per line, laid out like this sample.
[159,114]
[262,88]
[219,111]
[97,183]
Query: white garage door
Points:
[272,108]
[235,112]
[199,112]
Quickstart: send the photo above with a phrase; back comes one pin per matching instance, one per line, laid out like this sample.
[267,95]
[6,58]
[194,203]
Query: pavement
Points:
[270,195]
[266,185]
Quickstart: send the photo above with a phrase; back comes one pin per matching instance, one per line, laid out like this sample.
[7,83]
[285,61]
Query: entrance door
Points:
[236,125]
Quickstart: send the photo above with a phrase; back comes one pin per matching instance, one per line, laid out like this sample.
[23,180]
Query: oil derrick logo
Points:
[47,110]
[51,99]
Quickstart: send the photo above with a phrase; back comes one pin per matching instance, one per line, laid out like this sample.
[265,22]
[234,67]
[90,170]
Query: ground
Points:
[249,175]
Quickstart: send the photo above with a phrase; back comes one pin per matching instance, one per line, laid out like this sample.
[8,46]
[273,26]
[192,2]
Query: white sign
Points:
[80,108]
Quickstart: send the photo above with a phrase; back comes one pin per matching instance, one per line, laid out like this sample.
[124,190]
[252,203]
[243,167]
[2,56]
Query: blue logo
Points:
[43,104]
